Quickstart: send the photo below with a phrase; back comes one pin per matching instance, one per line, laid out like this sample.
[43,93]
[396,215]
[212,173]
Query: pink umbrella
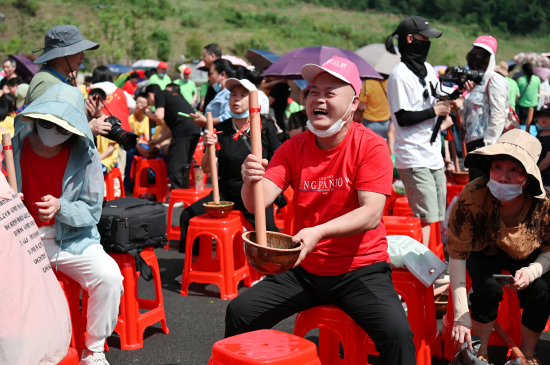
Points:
[542,72]
[236,61]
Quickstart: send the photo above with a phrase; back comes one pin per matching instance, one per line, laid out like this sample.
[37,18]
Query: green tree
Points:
[161,39]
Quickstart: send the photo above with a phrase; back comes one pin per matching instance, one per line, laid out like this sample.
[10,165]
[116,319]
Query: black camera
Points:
[127,140]
[460,76]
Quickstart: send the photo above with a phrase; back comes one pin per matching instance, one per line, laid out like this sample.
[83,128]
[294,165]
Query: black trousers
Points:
[523,113]
[367,295]
[197,208]
[487,292]
[180,152]
[472,146]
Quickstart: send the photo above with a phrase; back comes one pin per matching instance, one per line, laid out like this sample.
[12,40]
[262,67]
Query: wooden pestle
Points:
[213,167]
[459,122]
[8,158]
[454,155]
[256,144]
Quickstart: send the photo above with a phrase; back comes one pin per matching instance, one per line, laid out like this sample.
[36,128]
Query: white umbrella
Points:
[376,55]
[146,64]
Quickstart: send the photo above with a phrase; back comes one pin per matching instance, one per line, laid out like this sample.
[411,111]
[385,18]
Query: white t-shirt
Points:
[412,144]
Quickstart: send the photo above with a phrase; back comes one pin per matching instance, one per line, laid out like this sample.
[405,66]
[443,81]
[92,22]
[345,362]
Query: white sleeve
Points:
[397,94]
[499,108]
[457,273]
[130,102]
[538,268]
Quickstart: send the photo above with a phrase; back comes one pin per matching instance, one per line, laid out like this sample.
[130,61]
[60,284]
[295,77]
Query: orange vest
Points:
[118,106]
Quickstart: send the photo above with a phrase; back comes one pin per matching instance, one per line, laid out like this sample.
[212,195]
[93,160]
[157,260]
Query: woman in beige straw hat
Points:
[501,221]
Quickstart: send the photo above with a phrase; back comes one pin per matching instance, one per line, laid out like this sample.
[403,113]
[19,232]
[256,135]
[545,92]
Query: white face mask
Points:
[504,192]
[333,129]
[50,137]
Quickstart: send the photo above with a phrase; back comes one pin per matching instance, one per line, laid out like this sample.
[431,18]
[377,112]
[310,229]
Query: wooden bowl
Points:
[462,177]
[221,210]
[280,255]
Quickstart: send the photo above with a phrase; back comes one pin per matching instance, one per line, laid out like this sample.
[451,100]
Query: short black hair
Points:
[4,109]
[102,74]
[141,95]
[98,91]
[255,77]
[152,88]
[134,75]
[214,49]
[175,88]
[10,99]
[223,65]
[14,81]
[89,79]
[150,72]
[13,63]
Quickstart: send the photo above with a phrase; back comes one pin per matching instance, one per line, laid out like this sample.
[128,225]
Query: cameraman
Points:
[414,113]
[485,108]
[64,48]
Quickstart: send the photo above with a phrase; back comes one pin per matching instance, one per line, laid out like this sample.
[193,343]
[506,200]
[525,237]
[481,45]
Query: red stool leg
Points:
[156,307]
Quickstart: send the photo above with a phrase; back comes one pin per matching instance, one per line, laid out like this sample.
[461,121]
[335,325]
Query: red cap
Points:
[339,67]
[188,71]
[162,64]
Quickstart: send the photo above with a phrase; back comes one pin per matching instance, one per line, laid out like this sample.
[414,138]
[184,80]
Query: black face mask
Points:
[414,55]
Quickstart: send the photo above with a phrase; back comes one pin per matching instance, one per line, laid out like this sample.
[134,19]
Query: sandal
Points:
[533,360]
[483,357]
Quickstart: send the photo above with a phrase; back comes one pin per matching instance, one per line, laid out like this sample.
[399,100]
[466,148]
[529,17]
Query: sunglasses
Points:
[49,125]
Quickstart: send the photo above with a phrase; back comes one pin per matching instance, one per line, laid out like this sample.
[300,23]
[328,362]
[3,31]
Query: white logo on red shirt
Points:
[324,184]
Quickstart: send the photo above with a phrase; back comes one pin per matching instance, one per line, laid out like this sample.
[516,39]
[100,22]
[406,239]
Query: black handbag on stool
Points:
[131,224]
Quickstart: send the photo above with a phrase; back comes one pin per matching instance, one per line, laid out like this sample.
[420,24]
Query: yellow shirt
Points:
[83,90]
[8,124]
[139,128]
[374,95]
[102,145]
[157,131]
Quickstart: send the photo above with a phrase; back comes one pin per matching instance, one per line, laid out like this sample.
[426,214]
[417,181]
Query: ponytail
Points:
[223,65]
[528,71]
[389,44]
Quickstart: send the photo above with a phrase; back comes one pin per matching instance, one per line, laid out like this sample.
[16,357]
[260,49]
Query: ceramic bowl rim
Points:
[295,249]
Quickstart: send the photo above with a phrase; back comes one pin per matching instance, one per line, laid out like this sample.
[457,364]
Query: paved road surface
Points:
[197,321]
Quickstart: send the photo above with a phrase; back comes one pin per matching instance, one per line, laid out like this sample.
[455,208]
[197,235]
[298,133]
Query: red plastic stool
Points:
[264,347]
[254,275]
[160,188]
[404,226]
[131,323]
[390,203]
[110,183]
[335,327]
[72,292]
[71,358]
[188,197]
[402,208]
[509,316]
[452,191]
[436,245]
[421,316]
[229,267]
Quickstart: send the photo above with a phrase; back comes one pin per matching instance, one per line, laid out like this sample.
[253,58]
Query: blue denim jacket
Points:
[219,106]
[82,192]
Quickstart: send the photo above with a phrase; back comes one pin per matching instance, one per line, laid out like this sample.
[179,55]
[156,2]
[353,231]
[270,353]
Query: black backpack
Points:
[131,224]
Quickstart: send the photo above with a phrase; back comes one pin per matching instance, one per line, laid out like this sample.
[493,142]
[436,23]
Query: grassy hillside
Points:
[133,29]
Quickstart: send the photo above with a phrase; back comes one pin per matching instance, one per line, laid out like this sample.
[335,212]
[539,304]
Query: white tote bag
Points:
[406,252]
[35,324]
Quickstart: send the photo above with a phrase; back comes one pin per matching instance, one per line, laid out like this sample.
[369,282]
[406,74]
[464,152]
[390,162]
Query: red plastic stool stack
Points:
[404,226]
[335,327]
[229,267]
[509,316]
[452,191]
[254,275]
[160,189]
[264,347]
[71,358]
[110,183]
[72,292]
[131,323]
[421,316]
[188,197]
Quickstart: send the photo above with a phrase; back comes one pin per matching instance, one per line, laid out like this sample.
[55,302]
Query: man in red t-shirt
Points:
[341,173]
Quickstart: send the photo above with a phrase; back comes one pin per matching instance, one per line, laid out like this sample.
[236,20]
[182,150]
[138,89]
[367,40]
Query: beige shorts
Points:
[427,192]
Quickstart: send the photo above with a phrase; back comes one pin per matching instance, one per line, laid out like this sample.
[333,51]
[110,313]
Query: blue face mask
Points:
[161,75]
[541,128]
[243,115]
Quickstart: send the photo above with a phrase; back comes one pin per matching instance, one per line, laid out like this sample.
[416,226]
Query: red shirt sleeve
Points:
[279,169]
[375,171]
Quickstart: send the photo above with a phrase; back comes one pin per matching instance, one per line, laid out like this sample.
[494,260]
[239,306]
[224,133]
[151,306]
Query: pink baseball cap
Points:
[339,67]
[488,43]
